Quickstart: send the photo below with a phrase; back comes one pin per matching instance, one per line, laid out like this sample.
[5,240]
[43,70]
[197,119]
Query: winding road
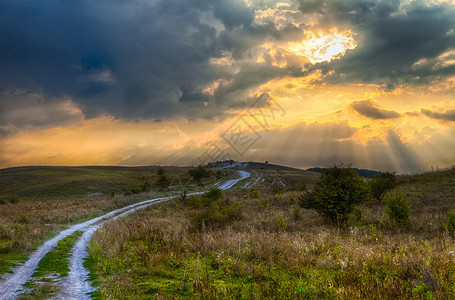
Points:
[77,285]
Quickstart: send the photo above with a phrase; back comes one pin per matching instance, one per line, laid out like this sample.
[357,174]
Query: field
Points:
[37,202]
[258,244]
[251,242]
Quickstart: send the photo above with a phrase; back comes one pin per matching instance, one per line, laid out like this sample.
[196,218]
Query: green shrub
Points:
[217,215]
[281,222]
[198,201]
[301,187]
[264,202]
[205,200]
[296,214]
[214,194]
[450,224]
[254,193]
[163,182]
[198,173]
[133,190]
[339,191]
[398,210]
[379,185]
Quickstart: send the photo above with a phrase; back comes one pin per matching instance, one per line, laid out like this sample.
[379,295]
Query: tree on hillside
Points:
[198,173]
[379,185]
[339,191]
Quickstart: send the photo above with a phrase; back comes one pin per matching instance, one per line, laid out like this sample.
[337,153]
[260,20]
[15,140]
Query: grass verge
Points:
[54,265]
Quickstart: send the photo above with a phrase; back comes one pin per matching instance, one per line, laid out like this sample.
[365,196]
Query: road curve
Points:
[76,286]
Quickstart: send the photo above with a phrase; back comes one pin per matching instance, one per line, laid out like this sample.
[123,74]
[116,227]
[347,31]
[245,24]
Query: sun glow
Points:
[315,47]
[324,46]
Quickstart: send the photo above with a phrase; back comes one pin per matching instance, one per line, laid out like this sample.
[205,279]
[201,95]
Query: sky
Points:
[157,82]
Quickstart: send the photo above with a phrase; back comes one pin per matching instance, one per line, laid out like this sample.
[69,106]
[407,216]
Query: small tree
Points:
[398,210]
[198,173]
[381,184]
[339,191]
[163,182]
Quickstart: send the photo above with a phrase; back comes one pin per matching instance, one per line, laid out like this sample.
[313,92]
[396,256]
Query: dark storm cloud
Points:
[391,39]
[367,109]
[130,59]
[449,115]
[32,112]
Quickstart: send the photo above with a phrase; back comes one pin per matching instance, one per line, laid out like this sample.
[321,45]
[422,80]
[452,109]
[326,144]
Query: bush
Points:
[381,184]
[398,210]
[217,215]
[198,201]
[163,182]
[264,202]
[214,194]
[198,173]
[281,222]
[450,224]
[205,200]
[339,191]
[254,193]
[296,214]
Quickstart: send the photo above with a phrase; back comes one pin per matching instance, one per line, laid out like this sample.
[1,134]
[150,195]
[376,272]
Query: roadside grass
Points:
[54,265]
[56,261]
[268,252]
[38,202]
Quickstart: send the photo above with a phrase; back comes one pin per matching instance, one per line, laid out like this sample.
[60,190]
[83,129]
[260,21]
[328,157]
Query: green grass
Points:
[42,183]
[53,264]
[38,202]
[56,261]
[280,251]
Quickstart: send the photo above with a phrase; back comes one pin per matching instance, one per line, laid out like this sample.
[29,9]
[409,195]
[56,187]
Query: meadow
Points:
[251,242]
[38,202]
[259,244]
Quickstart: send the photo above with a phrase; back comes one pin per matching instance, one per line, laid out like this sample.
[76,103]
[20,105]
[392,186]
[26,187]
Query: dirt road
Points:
[76,285]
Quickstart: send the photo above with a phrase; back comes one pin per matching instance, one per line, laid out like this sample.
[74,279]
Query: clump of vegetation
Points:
[398,210]
[254,193]
[450,223]
[198,173]
[217,215]
[214,194]
[281,222]
[380,184]
[211,212]
[296,214]
[163,182]
[339,191]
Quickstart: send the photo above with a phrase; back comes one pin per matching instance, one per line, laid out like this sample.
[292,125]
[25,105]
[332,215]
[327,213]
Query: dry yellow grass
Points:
[271,253]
